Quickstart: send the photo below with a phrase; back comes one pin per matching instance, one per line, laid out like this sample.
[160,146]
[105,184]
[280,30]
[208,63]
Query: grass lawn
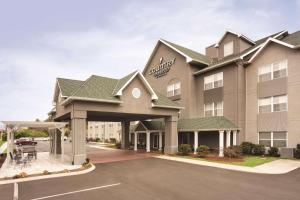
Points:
[247,161]
[113,146]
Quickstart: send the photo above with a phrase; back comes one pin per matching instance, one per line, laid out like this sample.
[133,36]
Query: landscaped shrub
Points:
[273,151]
[259,149]
[118,145]
[202,151]
[185,149]
[97,139]
[247,147]
[4,136]
[45,172]
[112,140]
[106,140]
[232,152]
[297,152]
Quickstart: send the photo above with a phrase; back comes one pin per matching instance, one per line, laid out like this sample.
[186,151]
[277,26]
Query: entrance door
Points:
[155,141]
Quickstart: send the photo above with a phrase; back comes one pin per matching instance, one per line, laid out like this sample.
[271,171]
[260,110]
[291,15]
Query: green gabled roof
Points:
[97,87]
[67,86]
[165,101]
[190,53]
[192,124]
[121,82]
[206,123]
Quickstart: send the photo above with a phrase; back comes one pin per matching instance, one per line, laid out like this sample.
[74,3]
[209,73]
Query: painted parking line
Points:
[16,192]
[77,191]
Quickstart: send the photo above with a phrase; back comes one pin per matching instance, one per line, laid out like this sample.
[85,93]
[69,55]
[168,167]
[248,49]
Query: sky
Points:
[42,40]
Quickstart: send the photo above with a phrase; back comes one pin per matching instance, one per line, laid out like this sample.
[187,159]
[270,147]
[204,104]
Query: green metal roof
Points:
[104,88]
[192,124]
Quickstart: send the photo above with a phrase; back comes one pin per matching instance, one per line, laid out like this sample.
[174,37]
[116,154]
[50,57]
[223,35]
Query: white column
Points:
[160,141]
[135,141]
[63,130]
[234,137]
[221,143]
[195,141]
[228,138]
[148,141]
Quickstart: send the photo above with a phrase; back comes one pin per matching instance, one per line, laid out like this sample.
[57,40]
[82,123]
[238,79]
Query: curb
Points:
[48,176]
[253,170]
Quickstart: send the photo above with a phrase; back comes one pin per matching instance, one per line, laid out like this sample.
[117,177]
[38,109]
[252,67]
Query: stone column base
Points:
[79,159]
[170,149]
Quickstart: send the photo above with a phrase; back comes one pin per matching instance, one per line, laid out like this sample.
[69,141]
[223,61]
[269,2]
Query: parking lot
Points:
[153,178]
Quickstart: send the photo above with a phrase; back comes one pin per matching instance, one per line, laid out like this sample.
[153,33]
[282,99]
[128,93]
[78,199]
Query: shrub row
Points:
[297,152]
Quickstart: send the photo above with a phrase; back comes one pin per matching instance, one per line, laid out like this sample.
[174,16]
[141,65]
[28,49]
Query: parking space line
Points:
[16,192]
[77,191]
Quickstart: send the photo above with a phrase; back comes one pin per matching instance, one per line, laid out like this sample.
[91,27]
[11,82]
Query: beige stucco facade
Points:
[184,74]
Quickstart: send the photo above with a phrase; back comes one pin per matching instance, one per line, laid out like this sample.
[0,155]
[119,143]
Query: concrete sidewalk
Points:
[280,166]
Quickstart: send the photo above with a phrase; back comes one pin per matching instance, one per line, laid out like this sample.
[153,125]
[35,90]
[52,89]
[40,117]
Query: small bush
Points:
[247,147]
[4,136]
[112,140]
[298,146]
[118,145]
[259,149]
[297,153]
[185,149]
[273,151]
[232,152]
[66,171]
[45,172]
[97,139]
[202,151]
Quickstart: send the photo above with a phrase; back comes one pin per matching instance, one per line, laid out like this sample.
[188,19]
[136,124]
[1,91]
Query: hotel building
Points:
[240,90]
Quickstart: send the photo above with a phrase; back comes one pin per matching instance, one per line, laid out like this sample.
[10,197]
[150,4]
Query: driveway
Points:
[153,178]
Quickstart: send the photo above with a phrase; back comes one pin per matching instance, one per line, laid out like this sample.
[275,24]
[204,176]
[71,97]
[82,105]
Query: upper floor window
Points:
[272,104]
[213,109]
[228,48]
[213,81]
[272,71]
[174,89]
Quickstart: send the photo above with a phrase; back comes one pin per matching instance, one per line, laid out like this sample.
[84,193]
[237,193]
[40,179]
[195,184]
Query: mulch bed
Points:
[2,159]
[215,157]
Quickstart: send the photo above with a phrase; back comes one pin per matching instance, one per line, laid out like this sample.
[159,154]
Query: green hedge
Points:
[30,133]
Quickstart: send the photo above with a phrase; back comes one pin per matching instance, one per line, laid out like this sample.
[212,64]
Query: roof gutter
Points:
[70,99]
[172,107]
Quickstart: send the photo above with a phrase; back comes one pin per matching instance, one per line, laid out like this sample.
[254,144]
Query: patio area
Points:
[44,161]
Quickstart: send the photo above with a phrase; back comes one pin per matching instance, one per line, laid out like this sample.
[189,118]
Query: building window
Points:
[213,109]
[272,104]
[228,48]
[174,89]
[208,110]
[273,139]
[213,81]
[272,71]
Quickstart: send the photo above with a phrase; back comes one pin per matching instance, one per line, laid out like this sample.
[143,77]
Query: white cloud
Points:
[28,73]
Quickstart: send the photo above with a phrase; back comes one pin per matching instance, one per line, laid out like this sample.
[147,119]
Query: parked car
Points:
[25,141]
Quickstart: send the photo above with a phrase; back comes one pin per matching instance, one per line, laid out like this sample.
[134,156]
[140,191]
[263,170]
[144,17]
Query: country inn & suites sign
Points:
[163,67]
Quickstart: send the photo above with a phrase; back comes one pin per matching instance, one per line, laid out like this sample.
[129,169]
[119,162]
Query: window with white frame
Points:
[218,109]
[174,89]
[273,139]
[213,109]
[273,104]
[209,109]
[273,71]
[213,81]
[265,105]
[279,103]
[228,48]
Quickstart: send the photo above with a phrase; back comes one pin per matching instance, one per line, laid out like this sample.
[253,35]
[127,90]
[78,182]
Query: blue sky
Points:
[42,40]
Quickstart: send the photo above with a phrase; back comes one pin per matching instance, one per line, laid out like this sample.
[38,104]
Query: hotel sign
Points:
[163,68]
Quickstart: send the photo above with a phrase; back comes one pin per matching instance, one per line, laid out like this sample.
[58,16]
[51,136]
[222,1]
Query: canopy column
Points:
[228,135]
[148,141]
[160,141]
[135,141]
[221,143]
[234,137]
[195,141]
